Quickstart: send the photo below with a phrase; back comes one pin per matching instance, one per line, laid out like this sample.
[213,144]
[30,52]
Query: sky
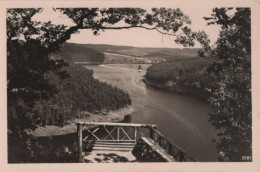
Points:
[136,37]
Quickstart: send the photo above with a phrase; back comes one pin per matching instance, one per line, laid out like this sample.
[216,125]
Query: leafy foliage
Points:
[28,59]
[166,21]
[231,95]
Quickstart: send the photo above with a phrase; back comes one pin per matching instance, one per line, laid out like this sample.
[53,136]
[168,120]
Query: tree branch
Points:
[129,27]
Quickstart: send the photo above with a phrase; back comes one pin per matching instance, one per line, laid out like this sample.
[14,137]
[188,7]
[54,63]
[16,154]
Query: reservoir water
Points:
[181,118]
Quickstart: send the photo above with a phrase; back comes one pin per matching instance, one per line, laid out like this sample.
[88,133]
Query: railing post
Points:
[79,130]
[182,157]
[151,133]
[118,133]
[135,134]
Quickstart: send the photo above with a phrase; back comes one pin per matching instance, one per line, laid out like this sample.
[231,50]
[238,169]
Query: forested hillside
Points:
[78,93]
[188,72]
[80,53]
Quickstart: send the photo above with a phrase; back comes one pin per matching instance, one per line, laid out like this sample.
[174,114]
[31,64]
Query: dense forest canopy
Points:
[78,93]
[182,72]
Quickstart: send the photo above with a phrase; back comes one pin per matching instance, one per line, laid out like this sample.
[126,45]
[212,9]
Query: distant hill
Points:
[167,53]
[94,52]
[80,53]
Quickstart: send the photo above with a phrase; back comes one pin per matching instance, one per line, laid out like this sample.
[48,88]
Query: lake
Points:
[181,118]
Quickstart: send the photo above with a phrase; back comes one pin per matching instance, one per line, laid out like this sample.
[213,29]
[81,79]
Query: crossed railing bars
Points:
[126,132]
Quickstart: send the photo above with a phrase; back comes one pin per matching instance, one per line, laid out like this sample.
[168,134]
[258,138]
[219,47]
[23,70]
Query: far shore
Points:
[185,90]
[112,116]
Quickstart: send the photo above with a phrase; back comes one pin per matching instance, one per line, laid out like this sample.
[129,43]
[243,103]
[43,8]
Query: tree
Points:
[28,60]
[231,96]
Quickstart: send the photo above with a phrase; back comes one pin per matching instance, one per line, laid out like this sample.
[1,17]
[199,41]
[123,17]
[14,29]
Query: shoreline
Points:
[112,116]
[191,91]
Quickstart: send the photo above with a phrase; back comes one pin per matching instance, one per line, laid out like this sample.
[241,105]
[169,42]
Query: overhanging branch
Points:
[129,27]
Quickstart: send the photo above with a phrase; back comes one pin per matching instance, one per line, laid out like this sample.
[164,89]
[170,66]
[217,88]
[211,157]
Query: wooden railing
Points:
[176,152]
[122,132]
[111,132]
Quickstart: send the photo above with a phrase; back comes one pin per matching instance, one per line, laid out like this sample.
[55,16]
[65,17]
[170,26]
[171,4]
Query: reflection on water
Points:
[181,118]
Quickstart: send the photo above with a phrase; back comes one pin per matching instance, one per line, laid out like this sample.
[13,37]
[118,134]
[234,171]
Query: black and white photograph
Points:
[137,83]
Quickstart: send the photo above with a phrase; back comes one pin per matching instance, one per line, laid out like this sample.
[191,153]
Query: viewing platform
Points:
[126,142]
